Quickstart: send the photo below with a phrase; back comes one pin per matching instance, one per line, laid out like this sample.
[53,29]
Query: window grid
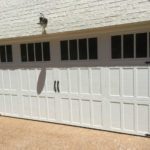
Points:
[134,42]
[34,51]
[87,45]
[6,59]
[68,42]
[122,48]
[78,54]
[148,42]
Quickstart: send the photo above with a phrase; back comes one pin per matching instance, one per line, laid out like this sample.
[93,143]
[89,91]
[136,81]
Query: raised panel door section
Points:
[2,104]
[97,113]
[84,81]
[96,86]
[8,105]
[32,80]
[6,80]
[24,80]
[74,80]
[14,79]
[26,106]
[129,116]
[49,81]
[65,104]
[1,80]
[142,82]
[16,106]
[64,81]
[86,112]
[143,118]
[43,108]
[75,111]
[128,82]
[34,107]
[114,77]
[51,103]
[115,115]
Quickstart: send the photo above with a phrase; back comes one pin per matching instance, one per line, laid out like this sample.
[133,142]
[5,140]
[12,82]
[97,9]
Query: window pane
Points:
[149,44]
[116,46]
[93,48]
[73,49]
[141,45]
[82,49]
[23,52]
[38,52]
[9,53]
[31,52]
[128,46]
[64,50]
[46,51]
[2,54]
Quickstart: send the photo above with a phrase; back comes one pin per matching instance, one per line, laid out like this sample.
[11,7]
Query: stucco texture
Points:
[20,17]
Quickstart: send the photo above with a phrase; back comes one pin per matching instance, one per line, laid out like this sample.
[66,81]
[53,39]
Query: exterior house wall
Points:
[20,17]
[104,93]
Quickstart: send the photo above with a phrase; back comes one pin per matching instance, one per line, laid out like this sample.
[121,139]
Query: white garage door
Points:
[108,95]
[109,98]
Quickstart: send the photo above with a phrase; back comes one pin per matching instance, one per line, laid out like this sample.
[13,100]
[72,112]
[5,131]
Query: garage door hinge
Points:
[147,135]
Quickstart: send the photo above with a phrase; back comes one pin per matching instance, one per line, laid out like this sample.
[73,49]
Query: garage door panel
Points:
[14,79]
[115,115]
[114,81]
[51,108]
[43,108]
[1,80]
[16,105]
[74,80]
[143,118]
[96,86]
[49,81]
[64,78]
[86,112]
[75,111]
[33,80]
[129,116]
[26,106]
[8,104]
[2,106]
[34,107]
[24,80]
[128,82]
[97,113]
[6,79]
[65,104]
[142,82]
[84,81]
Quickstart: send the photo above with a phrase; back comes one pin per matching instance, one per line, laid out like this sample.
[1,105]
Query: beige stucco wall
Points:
[20,17]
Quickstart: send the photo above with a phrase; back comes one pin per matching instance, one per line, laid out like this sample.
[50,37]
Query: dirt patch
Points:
[18,134]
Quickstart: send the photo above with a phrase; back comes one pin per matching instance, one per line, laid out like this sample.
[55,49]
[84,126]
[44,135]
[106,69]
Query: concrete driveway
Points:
[18,134]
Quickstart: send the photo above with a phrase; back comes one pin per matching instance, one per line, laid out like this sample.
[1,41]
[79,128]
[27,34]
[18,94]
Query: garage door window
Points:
[116,47]
[92,48]
[6,53]
[128,46]
[141,45]
[122,46]
[35,52]
[82,49]
[64,50]
[73,49]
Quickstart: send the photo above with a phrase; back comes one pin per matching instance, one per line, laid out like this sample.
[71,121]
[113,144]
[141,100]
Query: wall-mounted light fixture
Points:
[43,22]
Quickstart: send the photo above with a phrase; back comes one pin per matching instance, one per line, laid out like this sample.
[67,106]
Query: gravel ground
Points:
[19,134]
